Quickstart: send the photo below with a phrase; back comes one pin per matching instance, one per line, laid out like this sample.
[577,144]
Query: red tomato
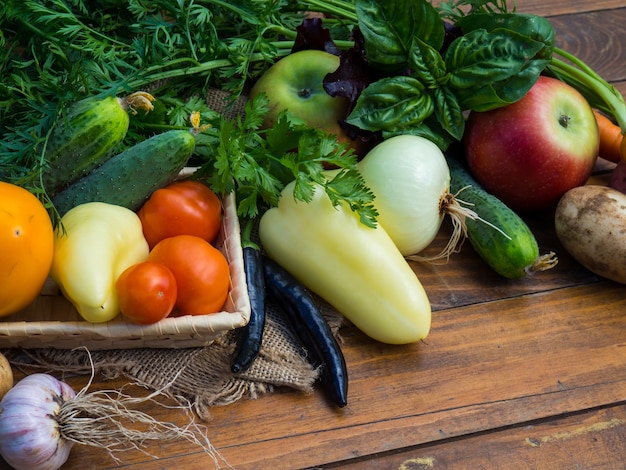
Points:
[181,208]
[201,273]
[147,292]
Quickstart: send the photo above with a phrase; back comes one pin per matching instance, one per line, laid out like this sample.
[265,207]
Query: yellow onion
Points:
[410,179]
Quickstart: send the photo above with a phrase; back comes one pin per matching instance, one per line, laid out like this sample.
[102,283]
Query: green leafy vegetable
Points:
[456,9]
[491,69]
[257,164]
[390,28]
[561,64]
[57,52]
[493,63]
[391,103]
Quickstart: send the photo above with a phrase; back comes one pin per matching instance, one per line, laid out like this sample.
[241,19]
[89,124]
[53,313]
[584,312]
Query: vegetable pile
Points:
[105,105]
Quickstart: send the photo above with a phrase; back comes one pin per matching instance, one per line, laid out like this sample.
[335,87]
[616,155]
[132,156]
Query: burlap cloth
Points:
[197,376]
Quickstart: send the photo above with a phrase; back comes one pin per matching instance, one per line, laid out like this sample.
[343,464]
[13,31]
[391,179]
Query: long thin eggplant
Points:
[311,328]
[251,335]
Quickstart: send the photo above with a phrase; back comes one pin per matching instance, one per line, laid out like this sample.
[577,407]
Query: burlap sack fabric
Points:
[199,376]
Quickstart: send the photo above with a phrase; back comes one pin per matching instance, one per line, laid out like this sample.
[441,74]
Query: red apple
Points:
[529,153]
[295,82]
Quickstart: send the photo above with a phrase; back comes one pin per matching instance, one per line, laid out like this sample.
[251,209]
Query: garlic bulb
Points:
[30,437]
[41,418]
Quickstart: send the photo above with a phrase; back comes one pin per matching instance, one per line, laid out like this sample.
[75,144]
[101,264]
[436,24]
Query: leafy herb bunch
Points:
[431,65]
[55,52]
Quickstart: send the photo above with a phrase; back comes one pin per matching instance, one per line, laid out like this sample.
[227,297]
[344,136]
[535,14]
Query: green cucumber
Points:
[499,236]
[87,136]
[128,178]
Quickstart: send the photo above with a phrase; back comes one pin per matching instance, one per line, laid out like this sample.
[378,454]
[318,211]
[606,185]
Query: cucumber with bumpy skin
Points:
[499,236]
[87,136]
[128,178]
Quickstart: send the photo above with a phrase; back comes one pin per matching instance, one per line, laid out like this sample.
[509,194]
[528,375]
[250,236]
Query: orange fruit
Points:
[27,247]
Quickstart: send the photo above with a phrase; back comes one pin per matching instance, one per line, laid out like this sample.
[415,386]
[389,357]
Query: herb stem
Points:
[335,7]
[38,32]
[246,234]
[288,33]
[154,73]
[69,16]
[200,68]
[576,61]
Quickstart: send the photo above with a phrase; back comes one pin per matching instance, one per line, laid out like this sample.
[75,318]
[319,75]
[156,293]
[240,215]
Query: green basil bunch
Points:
[427,87]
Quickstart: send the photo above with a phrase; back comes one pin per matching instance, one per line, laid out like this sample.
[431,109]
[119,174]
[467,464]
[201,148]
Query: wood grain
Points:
[587,440]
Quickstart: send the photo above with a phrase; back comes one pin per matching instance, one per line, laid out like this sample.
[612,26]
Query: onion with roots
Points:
[410,179]
[41,418]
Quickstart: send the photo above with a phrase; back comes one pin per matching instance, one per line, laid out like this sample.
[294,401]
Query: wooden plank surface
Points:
[515,374]
[483,367]
[591,439]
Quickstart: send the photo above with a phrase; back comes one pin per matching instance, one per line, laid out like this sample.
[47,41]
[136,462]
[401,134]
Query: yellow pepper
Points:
[355,268]
[94,244]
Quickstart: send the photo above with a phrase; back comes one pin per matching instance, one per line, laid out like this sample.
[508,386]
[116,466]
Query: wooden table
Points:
[526,374]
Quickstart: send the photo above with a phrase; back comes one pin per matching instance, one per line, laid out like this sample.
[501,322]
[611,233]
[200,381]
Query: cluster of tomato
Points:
[184,272]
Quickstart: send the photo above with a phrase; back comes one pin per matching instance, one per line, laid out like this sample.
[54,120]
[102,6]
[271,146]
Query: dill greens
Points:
[56,52]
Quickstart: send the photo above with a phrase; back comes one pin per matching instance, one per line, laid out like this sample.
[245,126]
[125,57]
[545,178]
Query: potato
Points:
[590,222]
[6,376]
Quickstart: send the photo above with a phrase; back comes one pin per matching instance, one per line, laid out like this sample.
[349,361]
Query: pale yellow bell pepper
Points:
[94,244]
[355,268]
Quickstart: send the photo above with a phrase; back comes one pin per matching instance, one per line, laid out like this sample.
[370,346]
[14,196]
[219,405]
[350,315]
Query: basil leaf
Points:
[533,26]
[492,69]
[455,9]
[448,112]
[390,27]
[427,64]
[399,101]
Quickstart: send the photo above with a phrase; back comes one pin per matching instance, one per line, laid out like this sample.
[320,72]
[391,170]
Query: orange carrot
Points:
[611,139]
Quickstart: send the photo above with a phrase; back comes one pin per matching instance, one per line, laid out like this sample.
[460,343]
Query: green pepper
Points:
[355,268]
[94,243]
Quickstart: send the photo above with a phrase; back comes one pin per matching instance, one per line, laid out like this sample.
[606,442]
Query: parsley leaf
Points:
[257,164]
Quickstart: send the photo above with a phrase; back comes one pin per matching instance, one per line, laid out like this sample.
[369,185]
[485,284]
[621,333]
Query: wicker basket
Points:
[51,321]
